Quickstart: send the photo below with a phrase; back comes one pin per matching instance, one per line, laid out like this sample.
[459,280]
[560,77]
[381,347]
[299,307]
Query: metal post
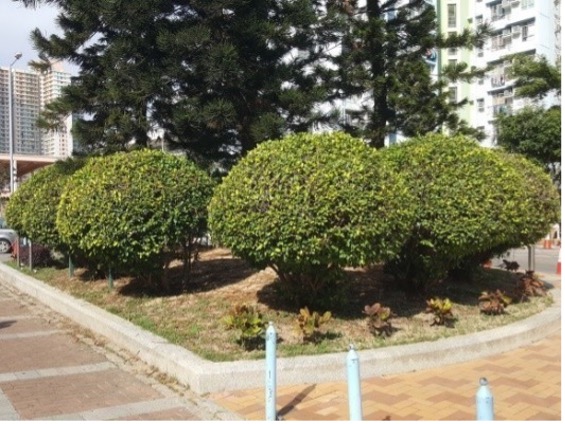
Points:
[271,374]
[532,257]
[71,266]
[11,121]
[30,255]
[354,385]
[110,278]
[485,402]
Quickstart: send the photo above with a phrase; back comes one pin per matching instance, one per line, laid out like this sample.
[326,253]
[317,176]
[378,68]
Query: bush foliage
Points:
[538,204]
[32,209]
[309,205]
[473,202]
[126,209]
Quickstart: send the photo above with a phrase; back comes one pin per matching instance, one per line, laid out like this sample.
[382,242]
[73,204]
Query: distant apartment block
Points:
[530,27]
[31,92]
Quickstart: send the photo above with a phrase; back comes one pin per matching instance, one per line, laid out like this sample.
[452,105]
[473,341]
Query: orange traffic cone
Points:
[559,263]
[547,243]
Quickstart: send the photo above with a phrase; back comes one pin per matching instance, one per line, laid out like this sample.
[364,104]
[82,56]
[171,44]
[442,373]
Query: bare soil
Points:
[194,319]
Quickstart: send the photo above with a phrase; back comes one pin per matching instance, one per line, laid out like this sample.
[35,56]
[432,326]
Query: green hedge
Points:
[471,201]
[537,206]
[126,209]
[309,205]
[32,209]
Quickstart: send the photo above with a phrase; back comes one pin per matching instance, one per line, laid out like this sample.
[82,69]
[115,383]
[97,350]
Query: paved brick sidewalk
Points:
[49,372]
[526,384]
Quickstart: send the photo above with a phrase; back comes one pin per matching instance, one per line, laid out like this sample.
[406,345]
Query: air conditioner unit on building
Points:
[506,4]
[506,33]
[514,1]
[507,93]
[516,30]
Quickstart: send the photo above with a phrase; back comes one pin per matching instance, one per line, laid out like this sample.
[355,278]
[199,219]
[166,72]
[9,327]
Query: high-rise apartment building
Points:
[26,106]
[519,26]
[31,91]
[55,143]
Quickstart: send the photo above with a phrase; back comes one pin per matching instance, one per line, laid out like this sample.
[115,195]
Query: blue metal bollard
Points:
[354,385]
[271,373]
[485,402]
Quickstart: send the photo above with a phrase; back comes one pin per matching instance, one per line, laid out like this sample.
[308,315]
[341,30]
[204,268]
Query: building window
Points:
[453,94]
[501,40]
[527,31]
[481,105]
[451,15]
[497,12]
[526,4]
[452,63]
[480,50]
[524,32]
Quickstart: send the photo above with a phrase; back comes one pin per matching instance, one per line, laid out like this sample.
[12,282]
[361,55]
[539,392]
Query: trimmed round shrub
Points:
[126,209]
[537,206]
[308,206]
[32,209]
[470,201]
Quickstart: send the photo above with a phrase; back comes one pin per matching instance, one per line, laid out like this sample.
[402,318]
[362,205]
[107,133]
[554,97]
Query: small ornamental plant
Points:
[250,323]
[378,319]
[441,308]
[309,324]
[493,303]
[529,286]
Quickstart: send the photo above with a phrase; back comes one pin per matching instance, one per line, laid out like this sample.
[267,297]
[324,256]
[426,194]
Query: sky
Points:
[16,24]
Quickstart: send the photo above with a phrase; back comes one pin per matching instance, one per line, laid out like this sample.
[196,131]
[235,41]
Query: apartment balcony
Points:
[497,81]
[508,12]
[501,109]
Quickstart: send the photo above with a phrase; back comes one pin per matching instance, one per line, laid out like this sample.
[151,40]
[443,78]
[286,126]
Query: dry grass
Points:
[219,281]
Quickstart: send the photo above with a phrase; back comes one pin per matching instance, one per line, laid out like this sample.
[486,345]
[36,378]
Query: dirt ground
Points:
[195,318]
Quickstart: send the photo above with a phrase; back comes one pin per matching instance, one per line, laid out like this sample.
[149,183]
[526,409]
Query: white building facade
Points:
[31,91]
[55,143]
[519,26]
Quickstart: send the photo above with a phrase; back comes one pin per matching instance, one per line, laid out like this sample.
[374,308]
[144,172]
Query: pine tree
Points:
[382,66]
[218,77]
[115,45]
[252,73]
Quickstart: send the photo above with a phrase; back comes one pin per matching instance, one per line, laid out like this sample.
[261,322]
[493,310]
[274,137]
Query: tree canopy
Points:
[383,61]
[535,133]
[535,76]
[217,78]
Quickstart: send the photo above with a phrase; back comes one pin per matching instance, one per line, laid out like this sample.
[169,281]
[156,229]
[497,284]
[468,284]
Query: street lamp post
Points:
[11,121]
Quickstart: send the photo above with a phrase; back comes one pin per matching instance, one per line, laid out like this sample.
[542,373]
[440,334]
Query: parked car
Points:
[8,237]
